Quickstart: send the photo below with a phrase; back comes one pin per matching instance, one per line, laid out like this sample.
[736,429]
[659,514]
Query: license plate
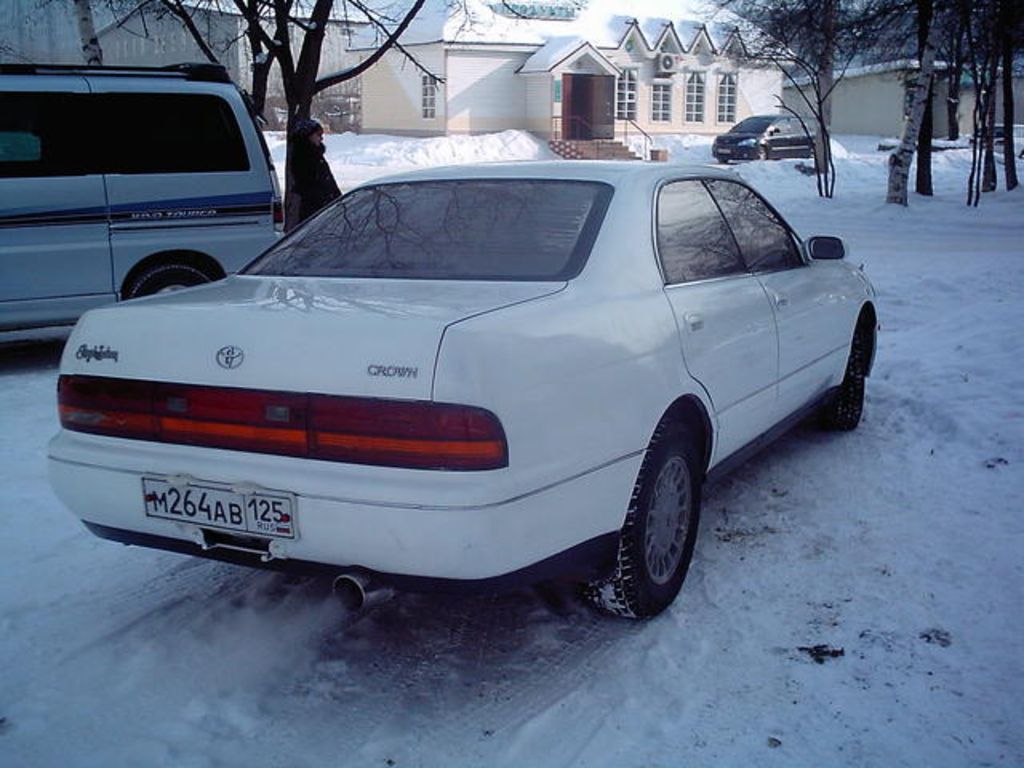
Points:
[725,151]
[261,513]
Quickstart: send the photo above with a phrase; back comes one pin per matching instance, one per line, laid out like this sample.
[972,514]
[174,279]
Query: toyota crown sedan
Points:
[480,377]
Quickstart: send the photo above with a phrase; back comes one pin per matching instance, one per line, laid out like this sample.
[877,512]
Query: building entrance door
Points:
[588,106]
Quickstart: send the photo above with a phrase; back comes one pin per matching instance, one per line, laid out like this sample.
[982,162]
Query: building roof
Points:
[603,23]
[879,68]
[561,50]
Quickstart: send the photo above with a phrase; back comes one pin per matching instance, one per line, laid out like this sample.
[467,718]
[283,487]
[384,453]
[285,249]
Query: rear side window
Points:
[39,135]
[764,240]
[468,229]
[70,134]
[694,242]
[170,133]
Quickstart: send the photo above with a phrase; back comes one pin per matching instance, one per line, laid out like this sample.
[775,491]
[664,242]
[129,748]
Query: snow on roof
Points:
[882,67]
[561,50]
[603,23]
[554,51]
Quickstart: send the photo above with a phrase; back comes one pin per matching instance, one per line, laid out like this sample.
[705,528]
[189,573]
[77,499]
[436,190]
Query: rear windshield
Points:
[469,229]
[752,125]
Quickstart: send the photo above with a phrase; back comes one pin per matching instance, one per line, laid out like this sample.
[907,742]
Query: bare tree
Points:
[920,95]
[91,50]
[291,34]
[1011,38]
[813,43]
[800,38]
[980,18]
[925,133]
[951,49]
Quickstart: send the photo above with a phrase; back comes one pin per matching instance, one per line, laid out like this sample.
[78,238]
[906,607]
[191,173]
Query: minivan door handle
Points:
[694,321]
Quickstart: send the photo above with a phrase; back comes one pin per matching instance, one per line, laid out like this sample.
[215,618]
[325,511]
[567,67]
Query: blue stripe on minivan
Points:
[179,208]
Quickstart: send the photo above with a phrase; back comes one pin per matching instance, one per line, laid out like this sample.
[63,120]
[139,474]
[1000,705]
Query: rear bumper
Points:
[565,530]
[584,562]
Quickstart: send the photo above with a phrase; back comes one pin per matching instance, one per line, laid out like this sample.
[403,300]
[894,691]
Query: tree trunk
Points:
[91,51]
[1009,147]
[988,179]
[826,74]
[956,72]
[900,159]
[923,185]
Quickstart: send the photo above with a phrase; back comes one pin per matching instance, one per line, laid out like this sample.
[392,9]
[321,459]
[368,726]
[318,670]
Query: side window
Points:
[694,242]
[40,135]
[764,240]
[170,133]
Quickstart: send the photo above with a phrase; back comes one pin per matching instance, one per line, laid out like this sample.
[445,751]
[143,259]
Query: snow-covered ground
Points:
[900,543]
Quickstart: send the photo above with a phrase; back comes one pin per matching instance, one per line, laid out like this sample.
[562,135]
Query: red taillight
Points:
[406,434]
[119,407]
[396,433]
[247,420]
[278,213]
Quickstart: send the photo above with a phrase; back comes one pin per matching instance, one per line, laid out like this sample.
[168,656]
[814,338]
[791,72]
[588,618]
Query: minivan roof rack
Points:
[203,72]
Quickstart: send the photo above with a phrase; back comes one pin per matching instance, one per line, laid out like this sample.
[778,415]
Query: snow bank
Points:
[356,158]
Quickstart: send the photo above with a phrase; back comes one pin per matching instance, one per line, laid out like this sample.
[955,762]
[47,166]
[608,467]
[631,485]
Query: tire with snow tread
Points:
[165,276]
[842,413]
[655,543]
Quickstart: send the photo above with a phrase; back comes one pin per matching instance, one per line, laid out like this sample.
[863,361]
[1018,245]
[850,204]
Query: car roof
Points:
[197,72]
[616,173]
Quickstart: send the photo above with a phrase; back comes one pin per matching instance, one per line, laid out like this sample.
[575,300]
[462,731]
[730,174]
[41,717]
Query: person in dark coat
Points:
[313,181]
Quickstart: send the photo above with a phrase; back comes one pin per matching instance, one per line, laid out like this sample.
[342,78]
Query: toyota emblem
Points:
[230,357]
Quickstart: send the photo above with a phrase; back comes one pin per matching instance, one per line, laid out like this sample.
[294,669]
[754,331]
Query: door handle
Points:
[780,301]
[694,321]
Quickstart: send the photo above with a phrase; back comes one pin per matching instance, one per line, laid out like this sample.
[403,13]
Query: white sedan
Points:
[480,376]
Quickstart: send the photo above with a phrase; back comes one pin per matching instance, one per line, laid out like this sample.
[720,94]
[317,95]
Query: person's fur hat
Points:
[306,128]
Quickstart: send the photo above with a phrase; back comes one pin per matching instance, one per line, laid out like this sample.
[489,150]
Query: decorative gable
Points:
[633,40]
[702,43]
[669,42]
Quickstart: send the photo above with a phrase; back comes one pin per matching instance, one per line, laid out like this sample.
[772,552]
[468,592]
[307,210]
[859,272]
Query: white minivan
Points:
[122,182]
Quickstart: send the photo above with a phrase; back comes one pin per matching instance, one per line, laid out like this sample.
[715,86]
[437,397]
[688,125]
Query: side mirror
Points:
[824,248]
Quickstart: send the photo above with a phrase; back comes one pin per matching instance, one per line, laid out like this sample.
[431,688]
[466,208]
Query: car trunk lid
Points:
[360,337]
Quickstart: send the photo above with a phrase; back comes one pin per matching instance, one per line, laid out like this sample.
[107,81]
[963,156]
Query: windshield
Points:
[753,124]
[466,229]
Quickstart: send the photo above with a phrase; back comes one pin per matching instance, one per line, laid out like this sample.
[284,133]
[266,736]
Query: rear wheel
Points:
[169,276]
[763,153]
[843,411]
[657,539]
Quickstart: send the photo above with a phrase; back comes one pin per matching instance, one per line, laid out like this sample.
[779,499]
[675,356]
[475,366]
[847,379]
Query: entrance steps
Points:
[592,149]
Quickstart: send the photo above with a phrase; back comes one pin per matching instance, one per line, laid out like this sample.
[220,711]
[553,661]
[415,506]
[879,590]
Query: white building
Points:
[575,70]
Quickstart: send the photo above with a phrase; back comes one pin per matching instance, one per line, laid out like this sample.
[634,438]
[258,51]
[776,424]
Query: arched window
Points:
[694,98]
[727,99]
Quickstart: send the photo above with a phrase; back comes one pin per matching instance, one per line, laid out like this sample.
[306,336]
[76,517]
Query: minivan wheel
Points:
[657,539]
[843,411]
[161,278]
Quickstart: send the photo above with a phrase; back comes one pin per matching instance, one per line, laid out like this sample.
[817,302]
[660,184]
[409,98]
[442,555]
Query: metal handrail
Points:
[648,139]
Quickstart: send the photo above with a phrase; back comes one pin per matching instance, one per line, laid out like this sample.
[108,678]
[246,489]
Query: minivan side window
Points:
[764,240]
[70,134]
[38,135]
[170,133]
[694,242]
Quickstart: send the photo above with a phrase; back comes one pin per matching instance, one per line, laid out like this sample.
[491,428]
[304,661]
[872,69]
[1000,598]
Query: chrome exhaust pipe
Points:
[358,593]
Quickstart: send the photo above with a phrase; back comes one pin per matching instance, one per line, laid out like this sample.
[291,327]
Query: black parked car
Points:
[763,137]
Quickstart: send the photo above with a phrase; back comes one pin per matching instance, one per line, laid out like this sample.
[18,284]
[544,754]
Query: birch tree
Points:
[900,160]
[91,51]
